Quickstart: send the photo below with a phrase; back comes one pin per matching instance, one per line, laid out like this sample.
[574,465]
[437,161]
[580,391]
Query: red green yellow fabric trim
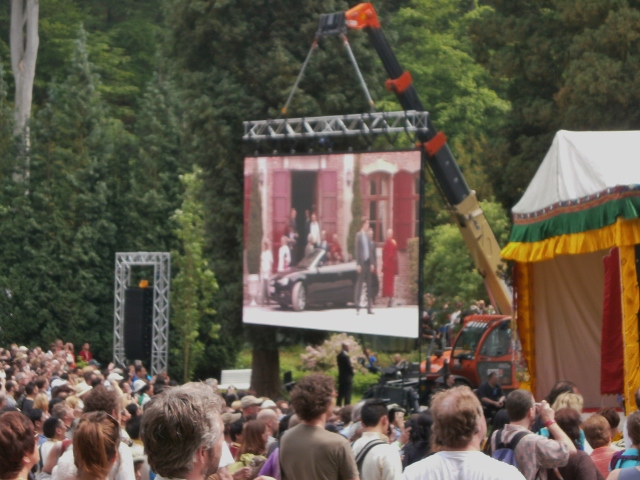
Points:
[630,307]
[577,218]
[621,233]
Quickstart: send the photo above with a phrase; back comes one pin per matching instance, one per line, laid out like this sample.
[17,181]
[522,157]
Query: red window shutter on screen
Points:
[247,205]
[328,194]
[403,216]
[281,207]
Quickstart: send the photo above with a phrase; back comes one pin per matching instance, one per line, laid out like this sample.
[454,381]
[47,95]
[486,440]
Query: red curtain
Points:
[612,364]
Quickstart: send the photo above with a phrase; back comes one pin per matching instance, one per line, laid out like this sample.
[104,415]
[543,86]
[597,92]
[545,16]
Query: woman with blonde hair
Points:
[42,402]
[95,445]
[568,400]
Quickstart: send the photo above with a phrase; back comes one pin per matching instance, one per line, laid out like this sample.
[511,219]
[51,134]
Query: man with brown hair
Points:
[459,429]
[308,451]
[99,400]
[182,432]
[534,454]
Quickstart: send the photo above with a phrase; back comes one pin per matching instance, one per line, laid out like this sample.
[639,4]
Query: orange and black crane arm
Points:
[466,210]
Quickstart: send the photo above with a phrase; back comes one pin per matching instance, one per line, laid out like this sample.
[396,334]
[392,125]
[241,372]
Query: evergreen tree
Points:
[195,283]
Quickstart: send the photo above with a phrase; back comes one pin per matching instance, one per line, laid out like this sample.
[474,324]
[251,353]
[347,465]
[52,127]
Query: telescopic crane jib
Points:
[463,202]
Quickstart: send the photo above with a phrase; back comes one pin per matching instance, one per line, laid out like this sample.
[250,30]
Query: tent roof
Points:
[581,164]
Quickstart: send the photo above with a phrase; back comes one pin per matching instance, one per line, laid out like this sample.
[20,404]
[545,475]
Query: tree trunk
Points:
[265,362]
[24,52]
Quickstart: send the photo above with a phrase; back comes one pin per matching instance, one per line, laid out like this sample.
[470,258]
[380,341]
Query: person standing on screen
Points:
[314,229]
[284,255]
[389,267]
[365,266]
[266,267]
[292,235]
[308,250]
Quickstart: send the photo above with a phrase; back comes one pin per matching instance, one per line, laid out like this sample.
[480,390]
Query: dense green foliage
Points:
[131,95]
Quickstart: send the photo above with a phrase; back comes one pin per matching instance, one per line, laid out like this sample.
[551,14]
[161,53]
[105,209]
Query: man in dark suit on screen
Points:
[345,376]
[365,255]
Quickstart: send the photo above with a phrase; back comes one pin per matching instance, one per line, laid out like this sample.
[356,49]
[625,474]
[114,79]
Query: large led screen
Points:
[330,242]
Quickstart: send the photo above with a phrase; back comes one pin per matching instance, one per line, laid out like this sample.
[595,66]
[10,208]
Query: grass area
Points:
[290,361]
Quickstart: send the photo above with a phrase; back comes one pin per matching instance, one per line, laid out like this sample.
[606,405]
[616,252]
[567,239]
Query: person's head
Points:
[345,346]
[85,347]
[65,413]
[95,445]
[633,428]
[389,233]
[561,386]
[569,420]
[17,444]
[293,214]
[54,429]
[493,379]
[141,372]
[182,431]
[570,400]
[364,224]
[270,419]
[449,380]
[420,425]
[100,399]
[133,427]
[345,414]
[250,406]
[30,389]
[312,397]
[10,387]
[612,417]
[37,417]
[42,383]
[520,405]
[458,419]
[41,401]
[374,415]
[314,217]
[597,431]
[254,438]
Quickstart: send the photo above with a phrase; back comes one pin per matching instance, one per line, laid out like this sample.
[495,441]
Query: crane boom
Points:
[466,210]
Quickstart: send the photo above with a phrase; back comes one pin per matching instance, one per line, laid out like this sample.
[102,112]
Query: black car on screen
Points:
[316,281]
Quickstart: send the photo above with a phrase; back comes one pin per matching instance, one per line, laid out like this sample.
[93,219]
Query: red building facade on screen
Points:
[322,185]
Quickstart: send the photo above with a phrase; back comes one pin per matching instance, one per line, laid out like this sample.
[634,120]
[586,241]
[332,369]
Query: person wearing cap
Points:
[82,389]
[143,391]
[250,406]
[491,396]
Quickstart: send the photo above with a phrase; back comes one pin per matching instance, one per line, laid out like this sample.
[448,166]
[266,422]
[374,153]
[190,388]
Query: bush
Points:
[323,358]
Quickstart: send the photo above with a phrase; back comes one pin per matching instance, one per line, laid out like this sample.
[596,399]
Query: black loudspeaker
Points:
[138,322]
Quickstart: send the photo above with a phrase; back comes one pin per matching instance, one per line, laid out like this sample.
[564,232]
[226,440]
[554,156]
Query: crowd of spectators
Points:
[66,417]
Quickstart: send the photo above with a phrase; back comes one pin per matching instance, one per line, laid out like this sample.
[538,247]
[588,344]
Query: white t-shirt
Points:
[226,458]
[122,469]
[466,465]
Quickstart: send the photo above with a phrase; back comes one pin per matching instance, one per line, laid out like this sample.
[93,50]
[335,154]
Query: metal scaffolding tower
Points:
[161,262]
[360,124]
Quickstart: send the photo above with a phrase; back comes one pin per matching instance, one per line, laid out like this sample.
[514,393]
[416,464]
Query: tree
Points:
[356,210]
[195,283]
[449,269]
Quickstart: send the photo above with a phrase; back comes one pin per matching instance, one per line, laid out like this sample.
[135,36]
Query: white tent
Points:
[583,201]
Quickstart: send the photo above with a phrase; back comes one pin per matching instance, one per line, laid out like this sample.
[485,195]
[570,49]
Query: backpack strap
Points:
[363,453]
[516,439]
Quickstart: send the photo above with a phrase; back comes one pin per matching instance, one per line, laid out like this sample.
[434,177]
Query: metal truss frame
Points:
[360,124]
[161,262]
